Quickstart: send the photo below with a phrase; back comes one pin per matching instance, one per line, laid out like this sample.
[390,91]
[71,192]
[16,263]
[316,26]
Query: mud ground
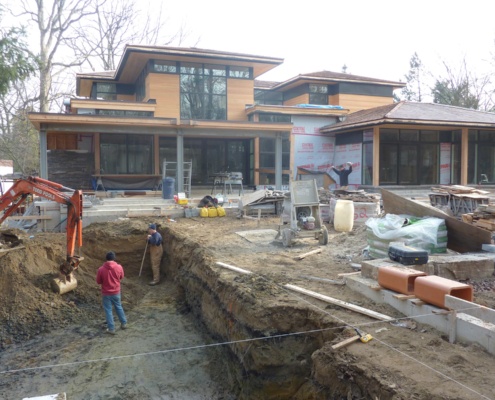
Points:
[58,343]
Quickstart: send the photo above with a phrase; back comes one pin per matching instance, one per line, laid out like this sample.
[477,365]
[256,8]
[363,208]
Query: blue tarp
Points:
[325,107]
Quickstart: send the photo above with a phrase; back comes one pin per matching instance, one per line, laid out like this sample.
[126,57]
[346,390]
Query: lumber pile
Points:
[483,217]
[457,189]
[459,199]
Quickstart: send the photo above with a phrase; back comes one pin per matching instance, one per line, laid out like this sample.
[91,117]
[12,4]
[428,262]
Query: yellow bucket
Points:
[221,211]
[204,212]
[212,212]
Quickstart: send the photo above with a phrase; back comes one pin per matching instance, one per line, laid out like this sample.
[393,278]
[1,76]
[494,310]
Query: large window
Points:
[318,94]
[267,160]
[274,118]
[481,156]
[126,154]
[104,91]
[410,156]
[203,91]
[268,97]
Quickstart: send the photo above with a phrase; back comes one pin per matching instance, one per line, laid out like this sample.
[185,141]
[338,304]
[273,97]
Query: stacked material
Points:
[483,216]
[457,189]
[357,196]
[268,201]
[459,199]
[429,234]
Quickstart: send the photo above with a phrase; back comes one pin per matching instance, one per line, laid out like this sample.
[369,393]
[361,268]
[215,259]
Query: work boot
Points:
[110,332]
[123,326]
[153,283]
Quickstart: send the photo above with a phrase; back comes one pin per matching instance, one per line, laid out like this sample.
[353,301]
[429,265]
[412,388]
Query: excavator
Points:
[73,199]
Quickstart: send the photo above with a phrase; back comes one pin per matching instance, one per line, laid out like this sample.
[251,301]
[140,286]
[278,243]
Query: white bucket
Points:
[343,220]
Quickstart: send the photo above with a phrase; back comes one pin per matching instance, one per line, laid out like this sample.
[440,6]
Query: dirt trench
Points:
[273,344]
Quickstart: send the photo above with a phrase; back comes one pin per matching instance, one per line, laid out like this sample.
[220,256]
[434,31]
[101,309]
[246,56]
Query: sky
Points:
[372,38]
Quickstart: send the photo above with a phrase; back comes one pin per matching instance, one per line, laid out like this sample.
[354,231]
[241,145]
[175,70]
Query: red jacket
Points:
[109,276]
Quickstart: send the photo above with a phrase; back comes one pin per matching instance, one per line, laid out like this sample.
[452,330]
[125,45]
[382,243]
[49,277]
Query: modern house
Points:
[210,109]
[409,143]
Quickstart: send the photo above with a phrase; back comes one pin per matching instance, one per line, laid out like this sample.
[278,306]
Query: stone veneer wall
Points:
[71,168]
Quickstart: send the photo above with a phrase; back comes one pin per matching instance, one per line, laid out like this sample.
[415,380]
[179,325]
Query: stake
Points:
[144,255]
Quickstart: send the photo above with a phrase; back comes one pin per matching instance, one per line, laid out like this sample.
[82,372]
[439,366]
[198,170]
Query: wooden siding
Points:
[110,105]
[165,89]
[303,99]
[355,103]
[239,93]
[61,141]
[126,97]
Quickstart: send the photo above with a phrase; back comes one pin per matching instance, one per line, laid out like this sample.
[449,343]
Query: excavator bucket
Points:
[67,281]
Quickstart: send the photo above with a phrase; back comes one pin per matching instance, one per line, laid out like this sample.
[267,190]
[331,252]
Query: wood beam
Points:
[376,156]
[464,155]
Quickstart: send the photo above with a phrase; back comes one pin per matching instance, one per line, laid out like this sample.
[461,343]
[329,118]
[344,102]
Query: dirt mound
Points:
[28,306]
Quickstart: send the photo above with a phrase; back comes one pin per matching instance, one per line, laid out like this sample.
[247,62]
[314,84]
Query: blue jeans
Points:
[114,299]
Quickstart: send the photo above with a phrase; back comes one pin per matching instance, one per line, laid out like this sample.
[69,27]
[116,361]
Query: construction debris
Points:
[300,257]
[459,199]
[357,196]
[483,216]
[461,237]
[268,201]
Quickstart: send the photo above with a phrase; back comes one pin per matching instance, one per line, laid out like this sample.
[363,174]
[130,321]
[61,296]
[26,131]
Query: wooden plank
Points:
[252,197]
[349,273]
[3,251]
[346,342]
[349,306]
[28,217]
[404,296]
[462,237]
[309,253]
[233,268]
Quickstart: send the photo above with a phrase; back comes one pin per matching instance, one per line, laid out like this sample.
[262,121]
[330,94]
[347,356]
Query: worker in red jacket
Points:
[109,276]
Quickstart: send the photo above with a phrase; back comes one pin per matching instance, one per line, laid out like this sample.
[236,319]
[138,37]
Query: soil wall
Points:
[285,366]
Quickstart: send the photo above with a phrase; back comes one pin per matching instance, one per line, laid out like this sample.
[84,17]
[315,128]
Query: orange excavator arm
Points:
[73,199]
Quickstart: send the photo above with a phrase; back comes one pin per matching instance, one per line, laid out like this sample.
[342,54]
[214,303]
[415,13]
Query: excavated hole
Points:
[226,307]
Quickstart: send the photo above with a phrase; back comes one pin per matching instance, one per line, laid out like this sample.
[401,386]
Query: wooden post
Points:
[376,156]
[464,156]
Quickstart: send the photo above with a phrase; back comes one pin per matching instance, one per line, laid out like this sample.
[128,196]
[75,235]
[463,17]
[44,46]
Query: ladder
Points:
[169,170]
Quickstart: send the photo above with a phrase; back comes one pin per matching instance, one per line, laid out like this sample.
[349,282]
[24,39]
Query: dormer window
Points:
[318,94]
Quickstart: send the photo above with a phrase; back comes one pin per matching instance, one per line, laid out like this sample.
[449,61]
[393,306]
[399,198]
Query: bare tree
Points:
[55,20]
[464,89]
[415,80]
[18,138]
[101,40]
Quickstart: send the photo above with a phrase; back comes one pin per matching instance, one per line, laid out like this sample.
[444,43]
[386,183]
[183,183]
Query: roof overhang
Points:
[135,58]
[390,123]
[302,79]
[78,123]
[294,110]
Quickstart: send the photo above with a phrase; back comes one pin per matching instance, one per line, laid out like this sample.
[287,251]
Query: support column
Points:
[180,161]
[96,144]
[43,154]
[278,161]
[376,156]
[464,155]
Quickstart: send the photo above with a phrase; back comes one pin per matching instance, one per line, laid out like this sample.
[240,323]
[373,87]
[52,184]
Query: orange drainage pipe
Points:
[432,289]
[398,279]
